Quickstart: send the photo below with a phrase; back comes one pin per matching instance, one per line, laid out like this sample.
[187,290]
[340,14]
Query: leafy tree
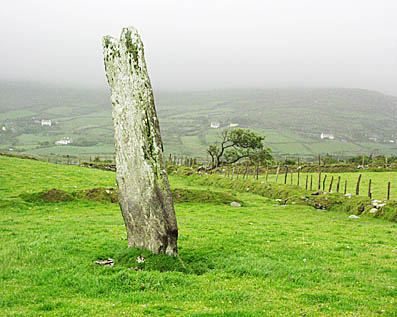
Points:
[239,144]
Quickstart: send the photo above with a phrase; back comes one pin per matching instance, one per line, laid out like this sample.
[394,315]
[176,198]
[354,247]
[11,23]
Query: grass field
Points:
[292,119]
[260,259]
[379,182]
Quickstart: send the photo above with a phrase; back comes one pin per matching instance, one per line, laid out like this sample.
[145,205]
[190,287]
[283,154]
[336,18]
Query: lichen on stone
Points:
[145,197]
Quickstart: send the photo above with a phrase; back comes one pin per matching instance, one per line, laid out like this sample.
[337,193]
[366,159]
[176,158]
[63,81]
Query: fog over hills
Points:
[360,121]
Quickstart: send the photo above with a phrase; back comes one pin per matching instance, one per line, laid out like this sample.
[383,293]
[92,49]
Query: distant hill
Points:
[361,121]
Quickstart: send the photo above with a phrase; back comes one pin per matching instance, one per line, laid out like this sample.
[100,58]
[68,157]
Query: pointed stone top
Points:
[127,33]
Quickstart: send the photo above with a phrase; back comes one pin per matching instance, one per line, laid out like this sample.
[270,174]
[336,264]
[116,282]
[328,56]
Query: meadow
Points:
[259,259]
[291,119]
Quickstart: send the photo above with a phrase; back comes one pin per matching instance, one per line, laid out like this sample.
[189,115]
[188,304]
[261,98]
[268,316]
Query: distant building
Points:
[233,125]
[215,125]
[4,128]
[327,136]
[391,141]
[46,122]
[64,141]
[373,139]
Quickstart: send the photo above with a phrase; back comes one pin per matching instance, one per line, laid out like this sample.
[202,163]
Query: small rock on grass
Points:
[235,204]
[354,217]
[107,262]
[373,210]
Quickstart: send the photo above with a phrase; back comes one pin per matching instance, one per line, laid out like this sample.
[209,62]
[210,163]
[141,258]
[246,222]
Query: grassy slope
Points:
[259,259]
[291,118]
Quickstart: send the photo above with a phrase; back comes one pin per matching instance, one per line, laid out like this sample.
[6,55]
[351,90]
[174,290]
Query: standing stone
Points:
[144,193]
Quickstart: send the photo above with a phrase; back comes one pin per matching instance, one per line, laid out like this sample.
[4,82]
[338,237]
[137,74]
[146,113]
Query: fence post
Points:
[292,177]
[369,189]
[298,176]
[319,179]
[388,191]
[330,185]
[286,174]
[311,182]
[278,170]
[307,179]
[358,185]
[345,187]
[337,185]
[267,173]
[325,178]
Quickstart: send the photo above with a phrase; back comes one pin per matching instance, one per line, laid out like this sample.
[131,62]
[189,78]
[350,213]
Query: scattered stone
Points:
[348,195]
[354,217]
[278,199]
[140,259]
[107,262]
[373,210]
[235,204]
[317,193]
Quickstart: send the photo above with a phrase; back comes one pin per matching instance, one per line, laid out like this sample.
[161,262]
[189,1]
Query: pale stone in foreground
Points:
[144,193]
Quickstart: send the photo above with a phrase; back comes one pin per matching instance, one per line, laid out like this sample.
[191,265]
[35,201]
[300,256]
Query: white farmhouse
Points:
[233,125]
[215,125]
[46,122]
[64,141]
[327,136]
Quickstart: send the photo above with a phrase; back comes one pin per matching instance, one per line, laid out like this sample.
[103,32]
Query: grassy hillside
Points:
[258,259]
[362,121]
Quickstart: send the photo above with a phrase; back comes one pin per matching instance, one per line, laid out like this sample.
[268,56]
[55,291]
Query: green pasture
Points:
[261,259]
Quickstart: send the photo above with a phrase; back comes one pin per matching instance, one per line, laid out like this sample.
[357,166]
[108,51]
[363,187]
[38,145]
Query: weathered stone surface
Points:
[144,194]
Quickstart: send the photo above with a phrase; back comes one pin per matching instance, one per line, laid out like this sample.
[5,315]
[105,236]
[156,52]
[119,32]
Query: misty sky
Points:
[206,44]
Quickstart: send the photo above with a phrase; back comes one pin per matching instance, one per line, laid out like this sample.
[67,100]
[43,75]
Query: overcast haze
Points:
[207,44]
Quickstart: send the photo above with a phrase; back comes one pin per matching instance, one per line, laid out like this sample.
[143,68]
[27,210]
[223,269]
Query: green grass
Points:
[292,119]
[257,260]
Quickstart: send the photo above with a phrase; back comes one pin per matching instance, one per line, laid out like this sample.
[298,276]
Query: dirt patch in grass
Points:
[51,196]
[110,194]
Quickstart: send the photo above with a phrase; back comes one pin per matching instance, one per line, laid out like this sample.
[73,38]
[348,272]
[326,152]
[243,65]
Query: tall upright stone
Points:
[144,193]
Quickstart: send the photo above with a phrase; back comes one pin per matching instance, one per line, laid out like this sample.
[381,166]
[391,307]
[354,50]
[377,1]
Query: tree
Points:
[238,144]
